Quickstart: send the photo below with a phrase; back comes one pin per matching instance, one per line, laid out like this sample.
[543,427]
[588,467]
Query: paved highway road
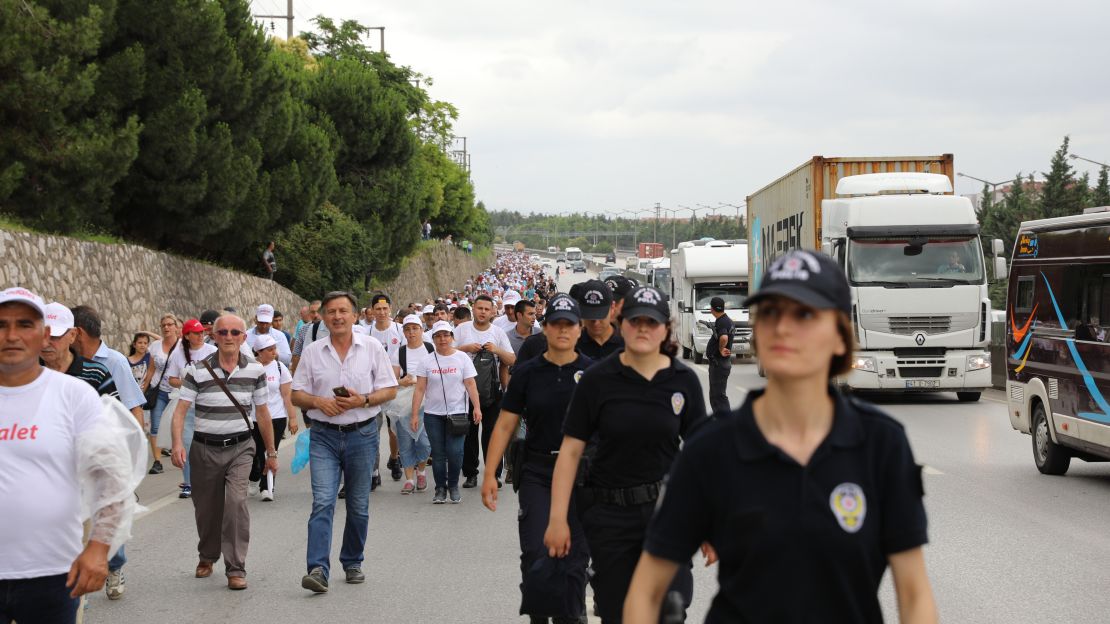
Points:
[1008,544]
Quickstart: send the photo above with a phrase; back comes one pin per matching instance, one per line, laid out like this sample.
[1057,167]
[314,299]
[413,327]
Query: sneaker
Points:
[421,483]
[315,581]
[342,491]
[165,452]
[471,482]
[267,495]
[156,468]
[375,481]
[113,585]
[394,465]
[252,488]
[456,496]
[186,491]
[355,575]
[440,496]
[408,488]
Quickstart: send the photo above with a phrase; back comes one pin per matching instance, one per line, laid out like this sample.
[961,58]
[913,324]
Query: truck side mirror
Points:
[827,248]
[999,268]
[997,248]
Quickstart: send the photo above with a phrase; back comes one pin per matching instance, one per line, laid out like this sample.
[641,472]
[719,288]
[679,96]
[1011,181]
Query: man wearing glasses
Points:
[224,386]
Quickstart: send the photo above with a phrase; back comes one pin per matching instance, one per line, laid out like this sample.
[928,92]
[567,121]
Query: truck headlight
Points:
[865,364]
[978,362]
[703,330]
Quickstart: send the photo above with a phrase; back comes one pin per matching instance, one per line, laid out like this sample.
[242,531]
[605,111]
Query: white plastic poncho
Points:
[111,462]
[400,408]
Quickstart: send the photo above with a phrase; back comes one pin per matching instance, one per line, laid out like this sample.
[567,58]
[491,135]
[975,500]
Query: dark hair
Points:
[380,297]
[278,314]
[839,364]
[440,307]
[134,338]
[462,312]
[484,298]
[87,319]
[338,294]
[668,347]
[523,305]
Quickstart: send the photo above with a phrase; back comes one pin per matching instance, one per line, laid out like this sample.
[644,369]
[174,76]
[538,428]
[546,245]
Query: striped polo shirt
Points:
[93,373]
[215,413]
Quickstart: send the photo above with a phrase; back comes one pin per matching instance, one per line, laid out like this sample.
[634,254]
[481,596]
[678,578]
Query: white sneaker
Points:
[252,488]
[113,585]
[267,495]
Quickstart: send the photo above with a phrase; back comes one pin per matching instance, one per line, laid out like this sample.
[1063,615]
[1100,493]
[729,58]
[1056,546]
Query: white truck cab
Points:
[699,271]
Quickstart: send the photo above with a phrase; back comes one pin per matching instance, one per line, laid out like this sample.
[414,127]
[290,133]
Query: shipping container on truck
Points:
[650,250]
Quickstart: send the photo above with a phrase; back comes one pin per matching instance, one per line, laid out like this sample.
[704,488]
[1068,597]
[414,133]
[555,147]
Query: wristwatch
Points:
[366,401]
[270,454]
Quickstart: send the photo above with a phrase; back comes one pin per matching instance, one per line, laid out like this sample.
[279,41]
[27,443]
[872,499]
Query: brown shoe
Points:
[204,569]
[236,582]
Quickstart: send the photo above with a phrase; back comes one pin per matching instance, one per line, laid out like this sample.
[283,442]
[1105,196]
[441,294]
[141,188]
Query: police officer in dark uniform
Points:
[719,353]
[814,494]
[640,402]
[600,338]
[539,392]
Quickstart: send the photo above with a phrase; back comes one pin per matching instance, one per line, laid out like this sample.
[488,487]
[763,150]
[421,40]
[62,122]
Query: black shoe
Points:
[342,491]
[315,581]
[156,468]
[355,576]
[394,465]
[471,482]
[375,482]
[165,452]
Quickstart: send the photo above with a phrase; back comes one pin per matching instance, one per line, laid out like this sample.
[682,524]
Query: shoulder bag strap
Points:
[167,364]
[442,385]
[402,357]
[223,386]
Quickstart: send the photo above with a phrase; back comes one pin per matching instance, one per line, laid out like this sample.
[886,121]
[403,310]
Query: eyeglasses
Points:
[233,332]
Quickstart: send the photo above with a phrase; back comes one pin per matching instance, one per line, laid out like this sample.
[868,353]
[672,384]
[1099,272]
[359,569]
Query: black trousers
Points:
[718,380]
[473,437]
[258,469]
[534,499]
[616,537]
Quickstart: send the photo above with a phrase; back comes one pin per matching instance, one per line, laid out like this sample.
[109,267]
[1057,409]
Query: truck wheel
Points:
[1051,458]
[698,357]
[685,353]
[968,397]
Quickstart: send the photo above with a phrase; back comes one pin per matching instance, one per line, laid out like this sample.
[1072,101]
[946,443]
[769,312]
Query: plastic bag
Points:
[111,462]
[300,455]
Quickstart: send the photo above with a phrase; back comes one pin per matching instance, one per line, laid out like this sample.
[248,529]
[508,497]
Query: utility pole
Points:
[288,17]
[655,228]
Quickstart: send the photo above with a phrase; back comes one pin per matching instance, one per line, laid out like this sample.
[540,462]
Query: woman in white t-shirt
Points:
[413,447]
[192,348]
[279,384]
[444,381]
[159,355]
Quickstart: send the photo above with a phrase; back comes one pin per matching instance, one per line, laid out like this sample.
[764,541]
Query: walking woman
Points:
[139,358]
[279,383]
[192,348]
[413,447]
[159,355]
[639,403]
[444,382]
[539,392]
[813,495]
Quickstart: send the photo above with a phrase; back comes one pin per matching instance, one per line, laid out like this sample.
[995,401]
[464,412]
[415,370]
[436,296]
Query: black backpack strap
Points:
[315,328]
[402,355]
[429,347]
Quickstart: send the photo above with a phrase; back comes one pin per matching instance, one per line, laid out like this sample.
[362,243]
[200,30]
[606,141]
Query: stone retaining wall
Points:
[432,272]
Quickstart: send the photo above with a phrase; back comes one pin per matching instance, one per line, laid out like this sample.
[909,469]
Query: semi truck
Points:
[699,271]
[911,250]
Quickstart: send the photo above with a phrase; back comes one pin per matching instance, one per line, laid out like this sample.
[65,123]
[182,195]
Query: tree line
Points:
[601,234]
[182,127]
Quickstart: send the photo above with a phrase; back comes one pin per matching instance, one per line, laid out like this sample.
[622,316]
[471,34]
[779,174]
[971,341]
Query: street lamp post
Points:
[994,185]
[739,222]
[1093,162]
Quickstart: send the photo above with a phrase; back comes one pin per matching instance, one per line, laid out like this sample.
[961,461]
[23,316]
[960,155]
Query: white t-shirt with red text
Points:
[445,393]
[40,518]
[276,376]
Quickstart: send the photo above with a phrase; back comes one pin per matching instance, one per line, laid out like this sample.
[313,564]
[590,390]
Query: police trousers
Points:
[719,370]
[616,538]
[534,499]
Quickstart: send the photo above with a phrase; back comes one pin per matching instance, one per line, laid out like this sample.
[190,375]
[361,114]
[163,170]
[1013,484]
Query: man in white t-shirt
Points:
[507,320]
[481,337]
[263,321]
[392,338]
[440,312]
[43,566]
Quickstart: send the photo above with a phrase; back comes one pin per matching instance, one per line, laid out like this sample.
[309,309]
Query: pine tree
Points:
[1061,194]
[1101,194]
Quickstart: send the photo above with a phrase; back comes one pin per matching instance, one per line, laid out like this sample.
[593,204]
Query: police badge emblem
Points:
[578,376]
[849,505]
[677,401]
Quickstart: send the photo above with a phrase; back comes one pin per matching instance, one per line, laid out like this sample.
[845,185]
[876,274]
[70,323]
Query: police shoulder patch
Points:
[849,505]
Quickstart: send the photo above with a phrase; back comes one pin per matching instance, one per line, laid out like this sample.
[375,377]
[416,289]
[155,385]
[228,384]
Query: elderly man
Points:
[341,380]
[263,326]
[225,385]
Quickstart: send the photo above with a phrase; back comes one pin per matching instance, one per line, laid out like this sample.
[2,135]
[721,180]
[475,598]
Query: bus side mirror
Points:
[999,268]
[997,248]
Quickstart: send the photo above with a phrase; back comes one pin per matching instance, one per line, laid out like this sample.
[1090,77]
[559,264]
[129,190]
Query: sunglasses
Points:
[233,332]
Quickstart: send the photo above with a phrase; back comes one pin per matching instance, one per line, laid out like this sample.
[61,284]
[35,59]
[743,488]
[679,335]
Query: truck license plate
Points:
[923,383]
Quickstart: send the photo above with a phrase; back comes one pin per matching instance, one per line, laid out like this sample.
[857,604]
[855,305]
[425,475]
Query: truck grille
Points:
[920,371]
[907,325]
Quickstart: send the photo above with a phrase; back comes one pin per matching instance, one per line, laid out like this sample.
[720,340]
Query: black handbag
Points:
[457,424]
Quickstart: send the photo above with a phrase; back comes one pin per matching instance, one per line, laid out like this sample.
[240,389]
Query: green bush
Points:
[327,252]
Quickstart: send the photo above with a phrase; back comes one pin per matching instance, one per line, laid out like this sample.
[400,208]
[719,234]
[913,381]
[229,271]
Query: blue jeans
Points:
[412,448]
[333,454]
[42,599]
[447,451]
[156,414]
[118,560]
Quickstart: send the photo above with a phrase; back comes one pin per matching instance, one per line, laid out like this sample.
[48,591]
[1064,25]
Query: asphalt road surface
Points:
[1007,544]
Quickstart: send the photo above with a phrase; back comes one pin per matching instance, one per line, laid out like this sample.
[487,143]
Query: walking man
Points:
[263,326]
[719,353]
[224,386]
[341,380]
[269,263]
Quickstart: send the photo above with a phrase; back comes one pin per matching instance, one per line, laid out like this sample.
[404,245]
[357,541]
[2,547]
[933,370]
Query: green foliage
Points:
[322,253]
[1101,194]
[539,231]
[1062,194]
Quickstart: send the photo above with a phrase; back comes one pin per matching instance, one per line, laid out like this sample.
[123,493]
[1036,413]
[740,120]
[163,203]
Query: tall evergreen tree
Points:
[1101,194]
[1061,194]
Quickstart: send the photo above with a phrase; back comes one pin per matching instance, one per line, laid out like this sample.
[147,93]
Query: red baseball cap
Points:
[191,326]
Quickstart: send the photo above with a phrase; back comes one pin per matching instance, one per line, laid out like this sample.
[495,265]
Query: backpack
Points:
[488,379]
[402,355]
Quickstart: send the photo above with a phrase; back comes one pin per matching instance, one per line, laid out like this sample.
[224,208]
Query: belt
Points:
[627,497]
[213,439]
[344,428]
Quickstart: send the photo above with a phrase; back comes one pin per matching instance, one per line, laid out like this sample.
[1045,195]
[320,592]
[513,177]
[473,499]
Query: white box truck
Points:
[699,271]
[911,251]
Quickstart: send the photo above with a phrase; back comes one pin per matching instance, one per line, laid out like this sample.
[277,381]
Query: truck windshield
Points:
[574,254]
[733,295]
[941,261]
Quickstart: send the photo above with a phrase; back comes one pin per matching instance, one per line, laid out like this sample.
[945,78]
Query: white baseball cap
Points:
[264,341]
[439,326]
[412,319]
[429,309]
[512,297]
[58,318]
[18,294]
[265,313]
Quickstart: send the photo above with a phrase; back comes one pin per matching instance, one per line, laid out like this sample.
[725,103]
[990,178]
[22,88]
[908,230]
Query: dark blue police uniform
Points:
[639,425]
[796,543]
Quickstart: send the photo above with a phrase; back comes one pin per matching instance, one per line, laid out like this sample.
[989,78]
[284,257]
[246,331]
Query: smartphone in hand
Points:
[341,392]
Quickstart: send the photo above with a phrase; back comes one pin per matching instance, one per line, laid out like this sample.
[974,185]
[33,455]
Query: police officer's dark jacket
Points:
[796,543]
[540,391]
[638,422]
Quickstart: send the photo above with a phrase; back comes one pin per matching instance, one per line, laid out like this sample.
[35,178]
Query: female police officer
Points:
[817,493]
[539,391]
[640,402]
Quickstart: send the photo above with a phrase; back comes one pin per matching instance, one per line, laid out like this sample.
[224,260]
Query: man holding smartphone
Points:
[341,380]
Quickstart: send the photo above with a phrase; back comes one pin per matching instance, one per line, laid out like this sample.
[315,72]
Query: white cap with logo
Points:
[58,318]
[439,326]
[264,341]
[19,294]
[265,313]
[412,319]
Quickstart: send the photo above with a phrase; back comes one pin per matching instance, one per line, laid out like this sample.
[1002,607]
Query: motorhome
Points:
[699,271]
[1058,338]
[573,253]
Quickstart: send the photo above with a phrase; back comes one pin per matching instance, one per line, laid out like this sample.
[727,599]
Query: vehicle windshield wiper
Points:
[883,284]
[951,280]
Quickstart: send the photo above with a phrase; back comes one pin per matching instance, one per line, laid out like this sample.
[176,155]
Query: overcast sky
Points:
[618,104]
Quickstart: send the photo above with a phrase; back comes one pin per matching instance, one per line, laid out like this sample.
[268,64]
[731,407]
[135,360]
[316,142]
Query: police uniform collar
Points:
[631,373]
[751,445]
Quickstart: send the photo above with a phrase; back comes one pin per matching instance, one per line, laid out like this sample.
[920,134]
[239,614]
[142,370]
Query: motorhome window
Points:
[733,295]
[1024,299]
[1083,296]
[912,261]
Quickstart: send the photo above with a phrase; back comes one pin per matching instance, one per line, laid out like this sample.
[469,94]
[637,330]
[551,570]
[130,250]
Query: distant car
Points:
[535,258]
[608,272]
[561,258]
[546,263]
[611,257]
[578,266]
